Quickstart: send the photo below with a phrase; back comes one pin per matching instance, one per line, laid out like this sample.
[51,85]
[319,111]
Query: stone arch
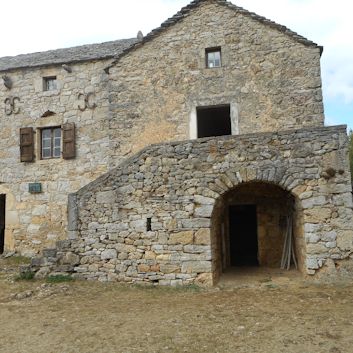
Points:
[272,202]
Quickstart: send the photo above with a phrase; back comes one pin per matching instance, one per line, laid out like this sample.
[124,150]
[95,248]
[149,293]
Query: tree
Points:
[351,152]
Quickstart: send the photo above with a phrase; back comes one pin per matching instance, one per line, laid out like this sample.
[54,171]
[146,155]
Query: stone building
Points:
[172,157]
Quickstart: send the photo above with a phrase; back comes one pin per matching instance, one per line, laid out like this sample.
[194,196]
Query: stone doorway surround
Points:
[176,186]
[273,205]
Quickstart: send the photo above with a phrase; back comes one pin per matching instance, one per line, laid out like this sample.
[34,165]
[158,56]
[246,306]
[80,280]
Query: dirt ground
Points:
[267,313]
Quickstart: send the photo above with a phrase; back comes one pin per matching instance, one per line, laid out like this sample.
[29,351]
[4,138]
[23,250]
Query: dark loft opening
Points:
[213,121]
[243,235]
[2,223]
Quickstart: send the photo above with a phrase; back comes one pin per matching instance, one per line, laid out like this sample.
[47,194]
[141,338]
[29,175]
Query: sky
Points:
[36,25]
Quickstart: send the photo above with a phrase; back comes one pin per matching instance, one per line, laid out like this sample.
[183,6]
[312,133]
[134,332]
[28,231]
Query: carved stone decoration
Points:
[7,81]
[11,106]
[87,100]
[67,68]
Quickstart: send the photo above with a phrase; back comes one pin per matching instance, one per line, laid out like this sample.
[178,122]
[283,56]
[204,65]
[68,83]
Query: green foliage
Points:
[59,278]
[26,276]
[351,152]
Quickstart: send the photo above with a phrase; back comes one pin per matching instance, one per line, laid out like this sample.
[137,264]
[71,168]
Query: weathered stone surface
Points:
[181,238]
[109,254]
[106,197]
[169,268]
[196,266]
[150,215]
[204,211]
[70,259]
[203,237]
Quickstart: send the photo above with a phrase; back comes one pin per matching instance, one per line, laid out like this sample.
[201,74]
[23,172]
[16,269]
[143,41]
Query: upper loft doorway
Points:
[2,222]
[213,121]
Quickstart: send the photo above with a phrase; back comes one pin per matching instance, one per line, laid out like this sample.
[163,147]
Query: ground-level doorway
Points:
[249,228]
[243,242]
[2,222]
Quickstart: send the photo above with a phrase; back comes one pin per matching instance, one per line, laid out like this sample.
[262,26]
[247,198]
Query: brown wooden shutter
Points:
[68,131]
[27,144]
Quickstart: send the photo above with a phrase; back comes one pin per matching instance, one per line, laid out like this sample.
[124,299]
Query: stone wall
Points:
[151,218]
[34,221]
[271,81]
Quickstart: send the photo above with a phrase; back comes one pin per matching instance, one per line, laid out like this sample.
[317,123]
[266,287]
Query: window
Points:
[51,143]
[49,83]
[213,57]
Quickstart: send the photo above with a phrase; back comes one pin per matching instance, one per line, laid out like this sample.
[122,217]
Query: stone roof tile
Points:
[66,55]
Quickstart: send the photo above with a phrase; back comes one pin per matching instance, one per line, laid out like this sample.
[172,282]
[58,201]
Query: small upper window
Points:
[213,57]
[49,83]
[51,143]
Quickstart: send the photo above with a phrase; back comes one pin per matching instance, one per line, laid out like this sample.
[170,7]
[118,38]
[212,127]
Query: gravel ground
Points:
[266,313]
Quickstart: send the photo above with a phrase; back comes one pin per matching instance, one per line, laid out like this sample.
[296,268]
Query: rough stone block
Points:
[203,211]
[168,268]
[311,263]
[109,254]
[70,258]
[196,266]
[202,236]
[202,200]
[181,238]
[196,223]
[107,197]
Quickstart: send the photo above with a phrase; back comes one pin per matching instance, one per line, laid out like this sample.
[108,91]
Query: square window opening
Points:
[213,121]
[213,57]
[50,83]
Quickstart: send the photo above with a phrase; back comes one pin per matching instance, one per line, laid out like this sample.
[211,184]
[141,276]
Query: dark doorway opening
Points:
[213,121]
[2,222]
[243,235]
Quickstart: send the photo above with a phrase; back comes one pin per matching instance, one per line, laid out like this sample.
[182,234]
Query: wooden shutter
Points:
[27,144]
[68,131]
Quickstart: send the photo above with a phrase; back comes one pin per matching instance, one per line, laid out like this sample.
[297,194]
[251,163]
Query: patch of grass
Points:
[17,260]
[25,276]
[59,279]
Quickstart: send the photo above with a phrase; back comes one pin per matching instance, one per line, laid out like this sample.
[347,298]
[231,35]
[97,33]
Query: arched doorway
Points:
[256,224]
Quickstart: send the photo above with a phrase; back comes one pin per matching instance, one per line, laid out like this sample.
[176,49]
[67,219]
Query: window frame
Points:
[46,83]
[213,50]
[52,139]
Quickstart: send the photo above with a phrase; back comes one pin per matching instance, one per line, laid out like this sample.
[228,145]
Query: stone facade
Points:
[37,220]
[271,80]
[160,215]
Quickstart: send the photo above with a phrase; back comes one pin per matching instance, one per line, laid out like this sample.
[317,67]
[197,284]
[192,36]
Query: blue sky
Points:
[34,25]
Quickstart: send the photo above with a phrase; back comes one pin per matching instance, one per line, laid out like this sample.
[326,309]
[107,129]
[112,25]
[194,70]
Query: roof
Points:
[185,11]
[80,53]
